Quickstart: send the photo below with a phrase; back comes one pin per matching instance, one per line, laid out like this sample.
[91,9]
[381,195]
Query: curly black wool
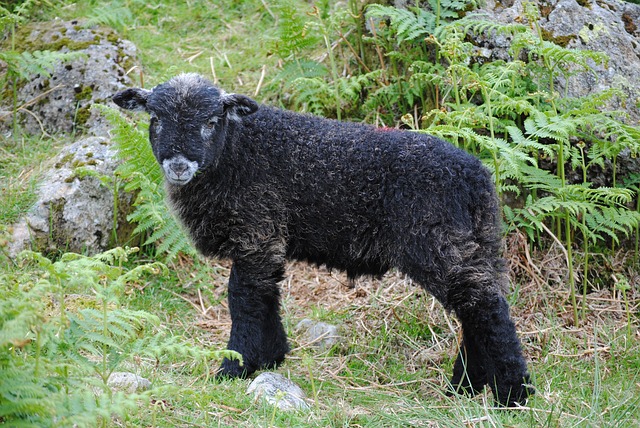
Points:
[260,185]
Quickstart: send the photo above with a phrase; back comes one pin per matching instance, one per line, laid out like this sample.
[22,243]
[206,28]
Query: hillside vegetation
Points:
[67,321]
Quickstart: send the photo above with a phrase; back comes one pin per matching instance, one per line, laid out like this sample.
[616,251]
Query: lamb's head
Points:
[189,122]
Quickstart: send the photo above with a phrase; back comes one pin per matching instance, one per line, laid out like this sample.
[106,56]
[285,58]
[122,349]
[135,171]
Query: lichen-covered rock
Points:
[75,205]
[61,103]
[609,26]
[278,391]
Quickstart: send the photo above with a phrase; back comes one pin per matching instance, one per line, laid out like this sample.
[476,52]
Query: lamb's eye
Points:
[211,123]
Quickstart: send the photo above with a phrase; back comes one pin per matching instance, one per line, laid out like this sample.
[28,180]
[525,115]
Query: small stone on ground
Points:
[278,391]
[127,382]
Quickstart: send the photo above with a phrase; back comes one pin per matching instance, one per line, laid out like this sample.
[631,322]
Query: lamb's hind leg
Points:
[491,350]
[469,373]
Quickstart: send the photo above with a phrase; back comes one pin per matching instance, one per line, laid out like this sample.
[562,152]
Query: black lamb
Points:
[260,185]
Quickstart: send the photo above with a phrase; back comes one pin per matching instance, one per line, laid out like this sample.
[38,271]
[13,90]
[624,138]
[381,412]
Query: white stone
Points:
[127,382]
[278,391]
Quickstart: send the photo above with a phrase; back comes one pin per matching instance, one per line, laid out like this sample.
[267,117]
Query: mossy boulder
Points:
[61,102]
[77,209]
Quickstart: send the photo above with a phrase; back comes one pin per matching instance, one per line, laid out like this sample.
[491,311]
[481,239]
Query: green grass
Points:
[20,165]
[392,368]
[236,37]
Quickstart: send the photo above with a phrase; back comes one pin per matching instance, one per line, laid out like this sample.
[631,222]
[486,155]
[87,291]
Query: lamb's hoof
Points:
[231,369]
[514,396]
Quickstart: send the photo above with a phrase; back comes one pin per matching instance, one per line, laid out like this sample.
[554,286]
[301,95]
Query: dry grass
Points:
[399,343]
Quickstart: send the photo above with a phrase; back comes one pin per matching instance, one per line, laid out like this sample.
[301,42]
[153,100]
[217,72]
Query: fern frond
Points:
[312,95]
[27,64]
[112,15]
[142,174]
[294,69]
[407,24]
[541,125]
[479,23]
[570,61]
[295,32]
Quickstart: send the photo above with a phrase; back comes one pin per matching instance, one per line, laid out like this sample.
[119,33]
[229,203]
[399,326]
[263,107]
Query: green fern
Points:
[298,68]
[47,374]
[407,24]
[508,113]
[142,174]
[25,65]
[295,32]
[17,16]
[115,15]
[55,358]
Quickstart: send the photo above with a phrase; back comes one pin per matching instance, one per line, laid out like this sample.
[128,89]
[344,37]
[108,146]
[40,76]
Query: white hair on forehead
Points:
[185,83]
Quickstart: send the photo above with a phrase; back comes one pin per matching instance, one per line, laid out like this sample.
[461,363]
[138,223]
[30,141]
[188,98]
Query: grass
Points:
[227,41]
[396,357]
[392,367]
[20,167]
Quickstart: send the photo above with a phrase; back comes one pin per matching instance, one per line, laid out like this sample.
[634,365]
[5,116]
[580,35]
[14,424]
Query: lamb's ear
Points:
[236,105]
[132,99]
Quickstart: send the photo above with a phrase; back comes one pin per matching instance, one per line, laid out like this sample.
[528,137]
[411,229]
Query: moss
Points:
[79,163]
[65,160]
[82,116]
[545,10]
[629,26]
[53,36]
[28,45]
[83,93]
[558,40]
[66,42]
[124,60]
[113,38]
[584,3]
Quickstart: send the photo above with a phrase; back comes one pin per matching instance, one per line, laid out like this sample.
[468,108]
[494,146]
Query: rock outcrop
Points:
[75,206]
[61,102]
[79,206]
[608,26]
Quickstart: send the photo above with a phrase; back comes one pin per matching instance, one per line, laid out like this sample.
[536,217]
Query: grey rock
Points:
[127,382]
[609,26]
[75,211]
[319,334]
[278,391]
[61,103]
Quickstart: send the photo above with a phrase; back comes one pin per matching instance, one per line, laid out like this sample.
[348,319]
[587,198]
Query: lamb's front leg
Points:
[256,328]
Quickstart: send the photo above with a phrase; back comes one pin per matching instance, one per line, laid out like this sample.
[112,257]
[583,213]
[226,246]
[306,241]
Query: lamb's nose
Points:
[179,168]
